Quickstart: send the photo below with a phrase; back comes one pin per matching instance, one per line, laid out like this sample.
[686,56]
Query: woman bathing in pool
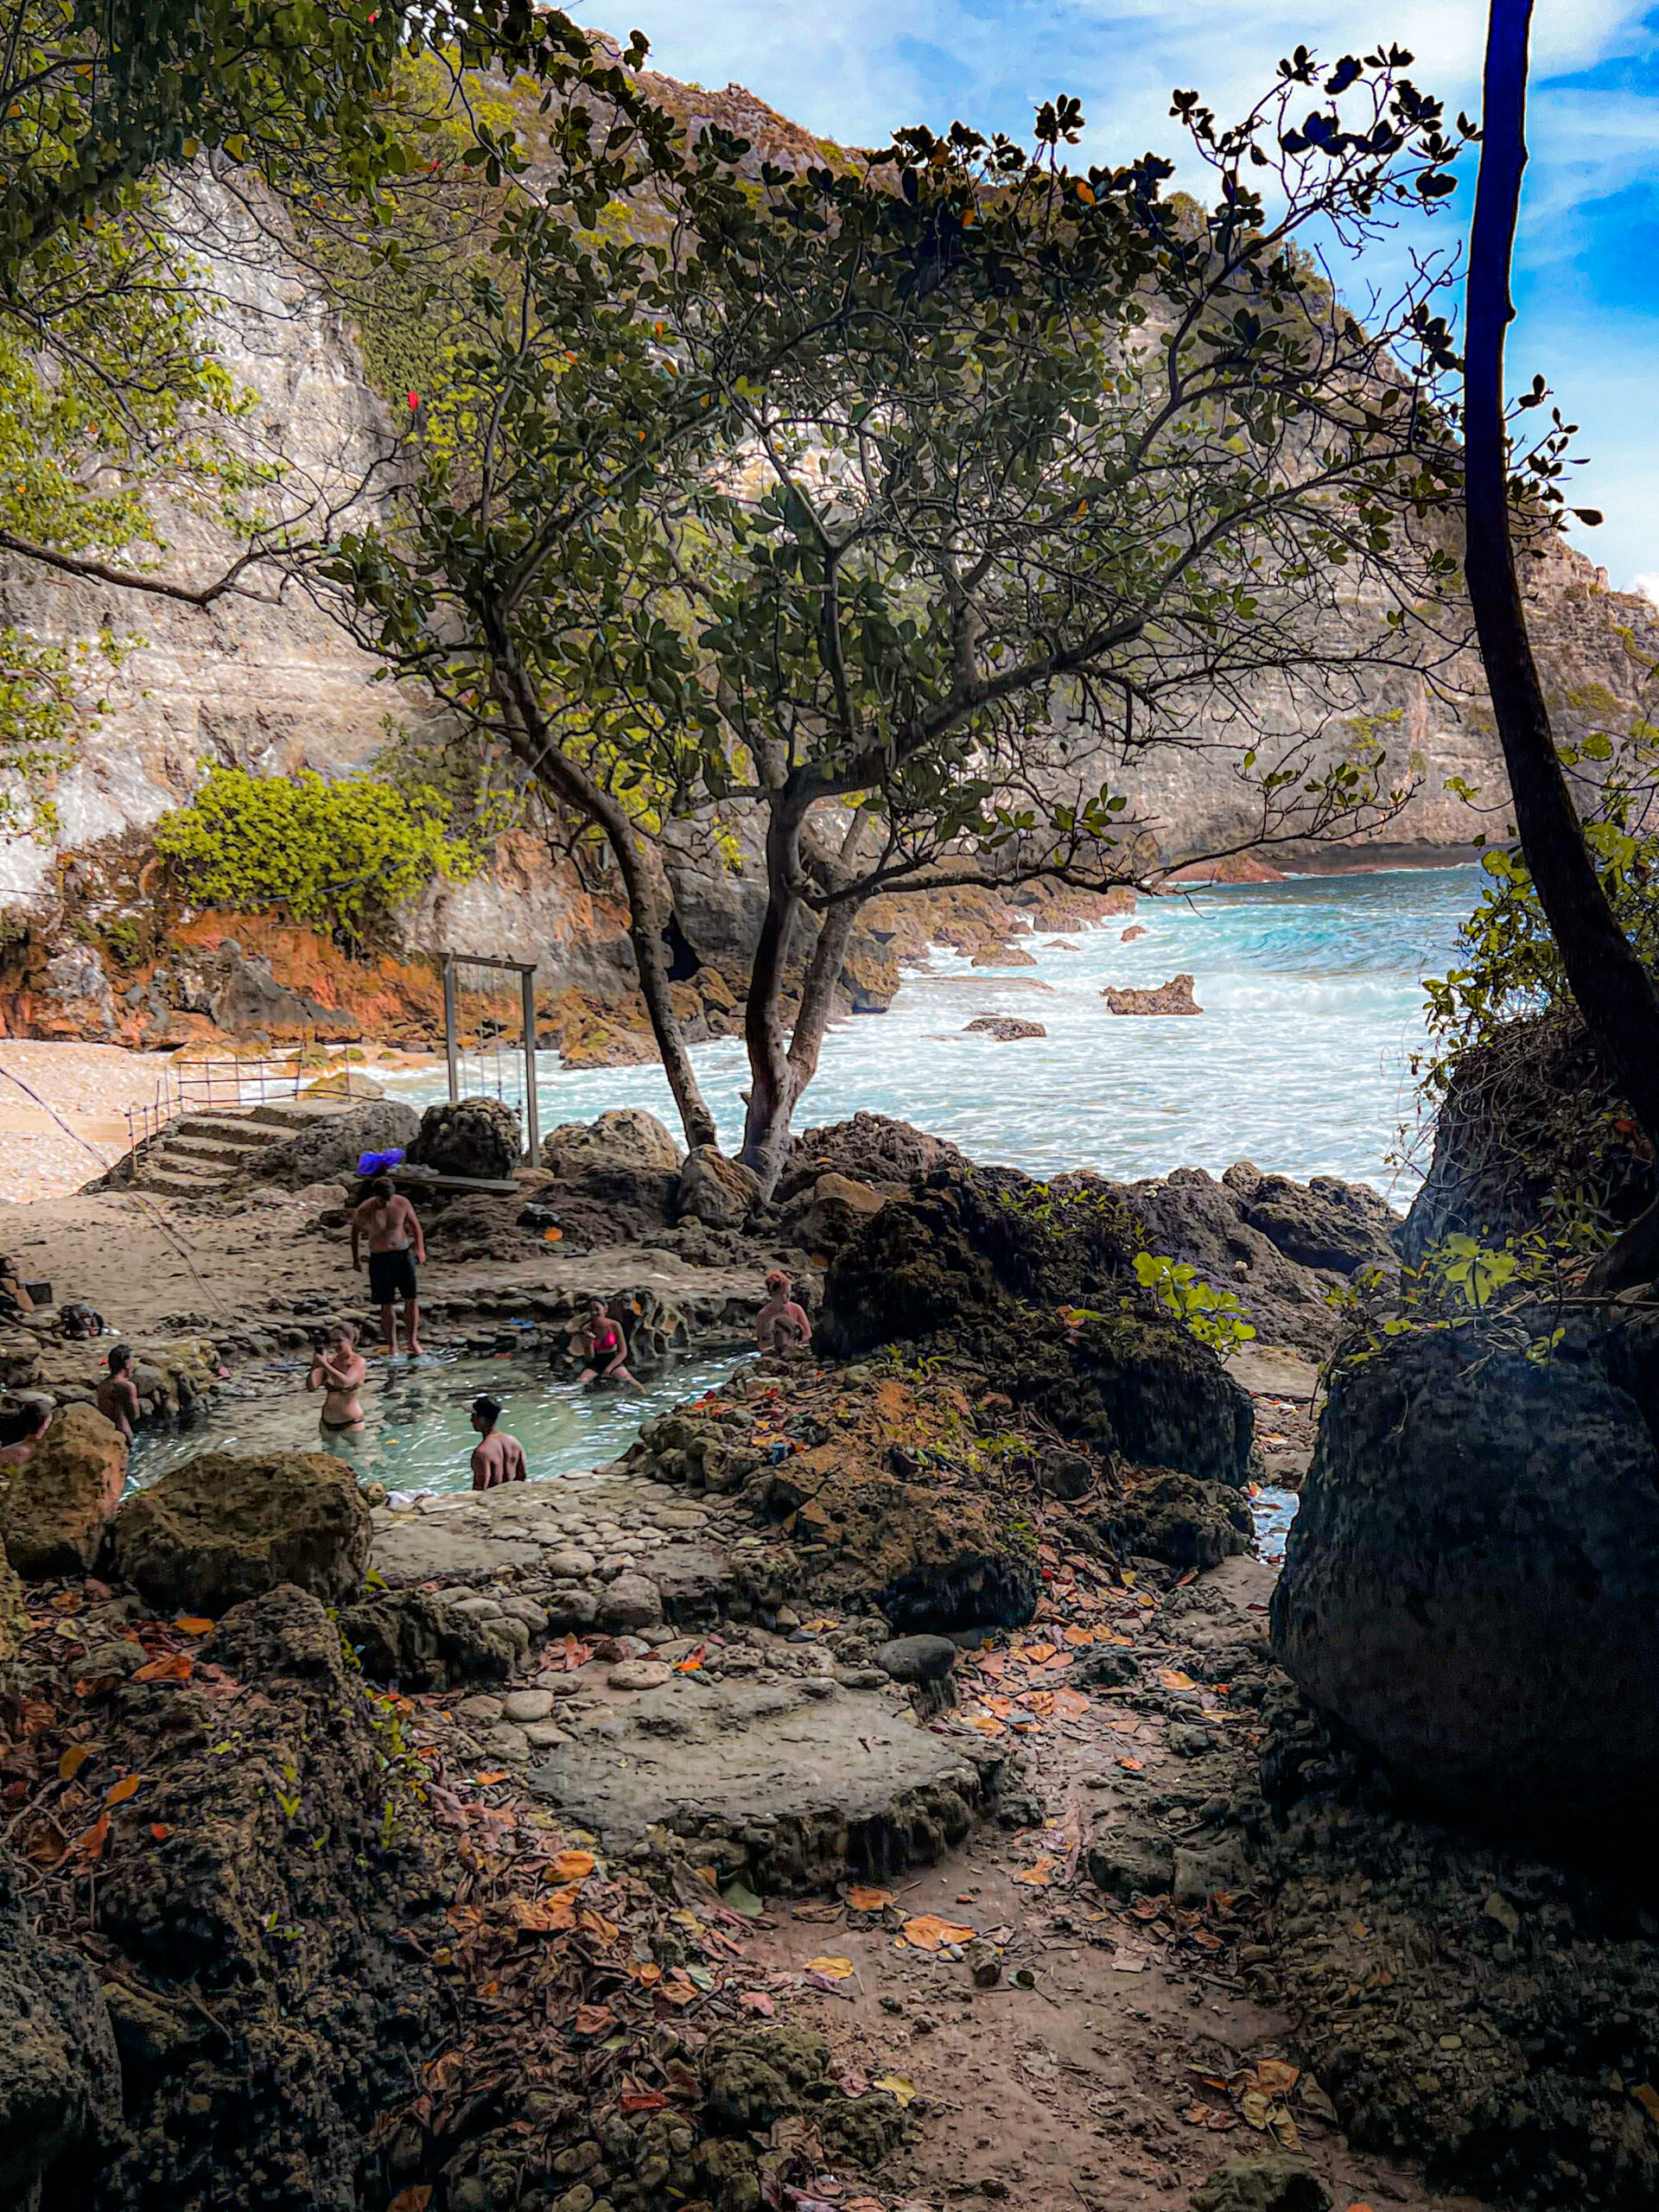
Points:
[602,1348]
[338,1370]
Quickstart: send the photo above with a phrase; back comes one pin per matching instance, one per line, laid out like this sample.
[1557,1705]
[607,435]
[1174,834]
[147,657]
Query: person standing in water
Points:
[497,1456]
[602,1348]
[339,1369]
[117,1396]
[781,1325]
[395,1244]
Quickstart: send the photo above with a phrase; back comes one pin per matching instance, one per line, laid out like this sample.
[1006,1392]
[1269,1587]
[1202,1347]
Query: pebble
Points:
[861,1678]
[481,1708]
[544,1736]
[528,1705]
[640,1675]
[480,1608]
[571,1564]
[508,1743]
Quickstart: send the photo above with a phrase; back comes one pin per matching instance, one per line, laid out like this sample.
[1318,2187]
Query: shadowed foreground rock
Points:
[59,2073]
[222,1529]
[1471,1585]
[60,1502]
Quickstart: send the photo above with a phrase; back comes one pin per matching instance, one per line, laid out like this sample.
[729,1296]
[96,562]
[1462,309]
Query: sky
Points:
[1588,257]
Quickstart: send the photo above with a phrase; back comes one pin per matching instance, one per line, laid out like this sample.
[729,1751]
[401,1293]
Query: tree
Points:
[909,501]
[1613,987]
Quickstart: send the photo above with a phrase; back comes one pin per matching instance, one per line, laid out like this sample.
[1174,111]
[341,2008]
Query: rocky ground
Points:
[875,1789]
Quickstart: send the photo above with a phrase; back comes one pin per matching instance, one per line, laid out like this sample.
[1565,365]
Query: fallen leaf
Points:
[643,2101]
[413,2199]
[1070,1704]
[853,2084]
[1035,1654]
[91,1845]
[1134,1766]
[596,1924]
[72,1761]
[926,1931]
[573,1866]
[1648,2097]
[46,1849]
[1276,2076]
[1040,1703]
[1041,1876]
[834,1969]
[756,2000]
[196,1624]
[1001,1707]
[495,1774]
[160,1830]
[692,1661]
[127,1787]
[864,1899]
[1173,1679]
[896,2086]
[175,1667]
[823,1914]
[541,1916]
[594,2019]
[1078,1637]
[983,1723]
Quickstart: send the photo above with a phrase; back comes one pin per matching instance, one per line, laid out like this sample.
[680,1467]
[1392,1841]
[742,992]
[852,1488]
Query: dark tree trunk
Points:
[773,1087]
[1614,991]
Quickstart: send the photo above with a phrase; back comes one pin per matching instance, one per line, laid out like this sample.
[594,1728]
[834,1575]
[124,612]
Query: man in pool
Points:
[603,1349]
[497,1458]
[339,1369]
[118,1393]
[781,1327]
[395,1244]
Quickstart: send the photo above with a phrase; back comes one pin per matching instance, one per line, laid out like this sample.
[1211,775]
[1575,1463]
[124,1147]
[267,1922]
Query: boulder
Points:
[420,1643]
[633,1601]
[1172,997]
[1471,1583]
[917,1659]
[1182,1522]
[1130,1859]
[247,1001]
[60,2070]
[223,1528]
[625,1137]
[1004,1028]
[833,1211]
[720,1192]
[1325,1224]
[1261,2181]
[869,1148]
[475,1137]
[62,1501]
[328,1152]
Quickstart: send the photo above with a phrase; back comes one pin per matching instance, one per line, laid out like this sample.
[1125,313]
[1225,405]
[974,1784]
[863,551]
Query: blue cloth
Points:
[376,1163]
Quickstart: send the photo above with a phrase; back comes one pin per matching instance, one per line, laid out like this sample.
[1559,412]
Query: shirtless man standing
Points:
[340,1372]
[781,1325]
[497,1458]
[118,1393]
[392,1226]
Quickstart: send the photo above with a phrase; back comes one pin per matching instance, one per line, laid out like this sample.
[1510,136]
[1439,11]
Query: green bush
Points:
[343,854]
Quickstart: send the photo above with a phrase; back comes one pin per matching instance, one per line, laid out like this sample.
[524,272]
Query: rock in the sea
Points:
[720,1192]
[223,1528]
[421,1643]
[60,2070]
[328,1152]
[1006,1028]
[1181,1521]
[917,1659]
[1471,1583]
[1172,997]
[475,1137]
[60,1502]
[1261,2181]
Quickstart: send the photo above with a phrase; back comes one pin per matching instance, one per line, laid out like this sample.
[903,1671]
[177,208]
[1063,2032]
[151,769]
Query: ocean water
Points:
[1312,992]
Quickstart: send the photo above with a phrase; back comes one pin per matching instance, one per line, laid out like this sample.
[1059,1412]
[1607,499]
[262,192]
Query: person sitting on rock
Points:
[118,1393]
[497,1456]
[602,1348]
[781,1327]
[392,1227]
[339,1369]
[36,1418]
[14,1300]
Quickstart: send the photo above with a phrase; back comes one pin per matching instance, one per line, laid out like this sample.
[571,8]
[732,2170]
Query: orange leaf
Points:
[1039,1877]
[127,1787]
[692,1661]
[1079,1636]
[927,1931]
[1039,1701]
[1133,1766]
[594,2019]
[194,1624]
[834,1969]
[414,2199]
[573,1866]
[92,1844]
[864,1899]
[1648,2097]
[1035,1654]
[1173,1679]
[175,1667]
[643,2101]
[495,1774]
[1070,1704]
[756,2000]
[594,1923]
[160,1830]
[541,1916]
[72,1761]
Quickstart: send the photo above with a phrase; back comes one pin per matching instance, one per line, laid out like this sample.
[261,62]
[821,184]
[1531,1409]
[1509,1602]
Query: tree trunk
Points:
[649,905]
[1615,994]
[772,1088]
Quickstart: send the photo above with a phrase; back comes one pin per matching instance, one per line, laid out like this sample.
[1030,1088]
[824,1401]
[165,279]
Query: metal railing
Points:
[201,1086]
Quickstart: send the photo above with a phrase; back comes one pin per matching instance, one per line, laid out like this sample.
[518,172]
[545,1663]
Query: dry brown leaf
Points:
[1276,2077]
[175,1667]
[833,1969]
[1040,1876]
[196,1624]
[72,1761]
[541,1916]
[862,1898]
[573,1866]
[160,1830]
[127,1787]
[927,1932]
[1173,1679]
[1648,2097]
[594,2020]
[91,1845]
[415,2198]
[495,1774]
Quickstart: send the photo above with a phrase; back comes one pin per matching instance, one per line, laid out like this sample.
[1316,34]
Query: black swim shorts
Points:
[391,1276]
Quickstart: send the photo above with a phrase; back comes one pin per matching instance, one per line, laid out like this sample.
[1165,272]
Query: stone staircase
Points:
[199,1153]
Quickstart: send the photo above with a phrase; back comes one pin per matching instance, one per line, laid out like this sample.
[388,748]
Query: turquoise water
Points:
[418,1434]
[1312,998]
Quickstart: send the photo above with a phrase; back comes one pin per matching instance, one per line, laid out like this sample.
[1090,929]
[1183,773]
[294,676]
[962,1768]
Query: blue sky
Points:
[1586,276]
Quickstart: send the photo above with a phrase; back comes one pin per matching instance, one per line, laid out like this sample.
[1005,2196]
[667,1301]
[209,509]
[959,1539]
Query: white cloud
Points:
[1646,585]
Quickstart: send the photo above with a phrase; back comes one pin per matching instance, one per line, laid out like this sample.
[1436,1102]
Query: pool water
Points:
[418,1433]
[1312,992]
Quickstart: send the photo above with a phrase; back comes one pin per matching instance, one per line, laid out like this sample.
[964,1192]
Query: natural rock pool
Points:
[1312,992]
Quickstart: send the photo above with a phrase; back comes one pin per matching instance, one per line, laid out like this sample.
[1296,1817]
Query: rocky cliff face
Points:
[272,686]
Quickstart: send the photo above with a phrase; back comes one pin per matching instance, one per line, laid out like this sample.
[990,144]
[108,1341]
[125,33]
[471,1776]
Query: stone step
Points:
[223,1128]
[302,1113]
[203,1151]
[175,1183]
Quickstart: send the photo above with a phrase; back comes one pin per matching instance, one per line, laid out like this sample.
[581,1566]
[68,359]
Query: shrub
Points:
[343,854]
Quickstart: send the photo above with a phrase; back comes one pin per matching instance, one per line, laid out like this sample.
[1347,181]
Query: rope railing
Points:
[199,1086]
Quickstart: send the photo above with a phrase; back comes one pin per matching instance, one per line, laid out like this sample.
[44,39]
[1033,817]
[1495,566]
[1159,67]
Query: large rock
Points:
[422,1643]
[59,2071]
[475,1137]
[1324,1224]
[869,1148]
[1182,1522]
[1471,1585]
[614,1178]
[1172,997]
[62,1501]
[329,1151]
[720,1192]
[1261,2181]
[222,1529]
[624,1137]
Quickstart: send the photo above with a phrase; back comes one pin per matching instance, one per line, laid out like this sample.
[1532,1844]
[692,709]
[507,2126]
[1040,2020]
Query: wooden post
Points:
[449,1025]
[532,1118]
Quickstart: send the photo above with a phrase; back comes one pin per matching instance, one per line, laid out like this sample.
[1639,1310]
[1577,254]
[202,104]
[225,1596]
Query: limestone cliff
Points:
[271,685]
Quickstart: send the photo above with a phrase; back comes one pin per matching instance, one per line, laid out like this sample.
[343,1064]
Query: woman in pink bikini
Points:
[603,1348]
